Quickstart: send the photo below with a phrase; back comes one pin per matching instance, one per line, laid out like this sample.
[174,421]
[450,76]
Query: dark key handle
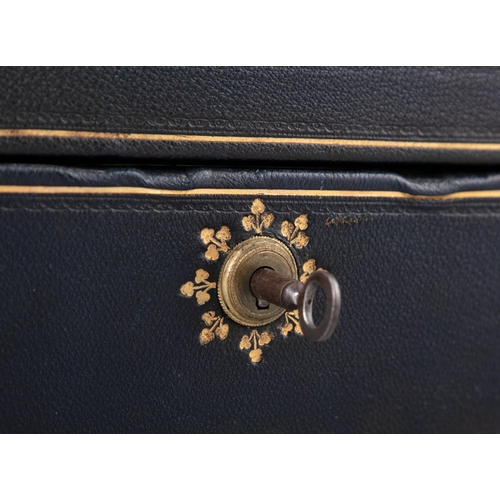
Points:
[269,286]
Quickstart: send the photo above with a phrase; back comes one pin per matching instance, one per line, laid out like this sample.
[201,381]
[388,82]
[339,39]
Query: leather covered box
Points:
[123,193]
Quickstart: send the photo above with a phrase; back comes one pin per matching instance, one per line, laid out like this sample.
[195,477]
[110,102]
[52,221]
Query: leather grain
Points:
[251,178]
[96,337]
[397,104]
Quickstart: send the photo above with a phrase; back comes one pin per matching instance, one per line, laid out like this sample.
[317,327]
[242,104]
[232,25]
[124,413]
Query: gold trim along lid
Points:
[327,193]
[355,143]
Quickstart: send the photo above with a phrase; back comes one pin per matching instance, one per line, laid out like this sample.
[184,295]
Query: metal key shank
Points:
[269,286]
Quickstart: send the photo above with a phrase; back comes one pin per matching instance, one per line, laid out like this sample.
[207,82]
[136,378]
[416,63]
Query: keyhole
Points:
[262,304]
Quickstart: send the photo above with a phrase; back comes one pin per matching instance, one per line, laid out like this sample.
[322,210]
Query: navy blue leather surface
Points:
[96,337]
[395,104]
[251,178]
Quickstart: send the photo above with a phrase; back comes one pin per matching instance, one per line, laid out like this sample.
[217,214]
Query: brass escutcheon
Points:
[235,296]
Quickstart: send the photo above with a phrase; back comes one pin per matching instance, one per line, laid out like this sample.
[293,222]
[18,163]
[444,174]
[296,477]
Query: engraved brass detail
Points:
[235,296]
[202,294]
[257,338]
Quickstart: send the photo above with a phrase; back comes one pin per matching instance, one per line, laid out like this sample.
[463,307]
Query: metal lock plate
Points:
[235,296]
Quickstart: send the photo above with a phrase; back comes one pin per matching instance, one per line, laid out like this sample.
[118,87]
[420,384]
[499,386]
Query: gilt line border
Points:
[358,143]
[128,190]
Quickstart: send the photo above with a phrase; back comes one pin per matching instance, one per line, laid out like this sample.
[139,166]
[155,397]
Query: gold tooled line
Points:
[95,190]
[360,143]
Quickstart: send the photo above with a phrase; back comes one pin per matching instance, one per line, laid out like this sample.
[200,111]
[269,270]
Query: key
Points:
[269,286]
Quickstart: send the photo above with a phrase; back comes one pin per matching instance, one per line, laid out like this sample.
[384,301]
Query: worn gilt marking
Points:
[202,294]
[217,328]
[308,267]
[338,221]
[294,233]
[217,243]
[257,339]
[259,219]
[291,323]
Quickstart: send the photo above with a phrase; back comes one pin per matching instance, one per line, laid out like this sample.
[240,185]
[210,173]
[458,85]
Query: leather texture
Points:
[394,104]
[95,335]
[250,178]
